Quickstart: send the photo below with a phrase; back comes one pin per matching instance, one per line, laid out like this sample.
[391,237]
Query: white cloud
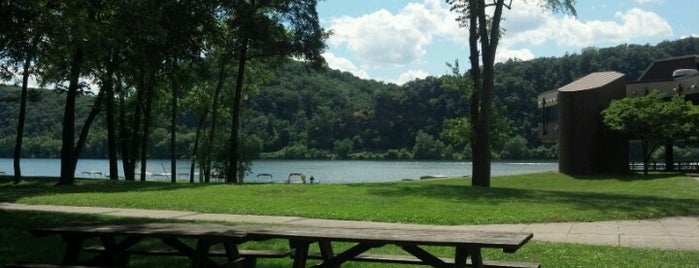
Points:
[635,23]
[383,39]
[527,25]
[410,76]
[345,65]
[504,54]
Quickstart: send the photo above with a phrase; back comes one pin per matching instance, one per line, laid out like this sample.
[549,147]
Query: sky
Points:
[396,41]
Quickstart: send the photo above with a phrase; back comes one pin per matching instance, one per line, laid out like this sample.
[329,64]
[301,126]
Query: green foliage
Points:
[297,105]
[343,148]
[515,148]
[651,117]
[428,148]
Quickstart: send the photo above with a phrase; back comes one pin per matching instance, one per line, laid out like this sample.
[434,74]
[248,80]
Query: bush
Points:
[427,148]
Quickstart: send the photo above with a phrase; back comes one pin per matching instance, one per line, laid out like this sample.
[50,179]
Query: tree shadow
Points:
[38,186]
[622,205]
[628,176]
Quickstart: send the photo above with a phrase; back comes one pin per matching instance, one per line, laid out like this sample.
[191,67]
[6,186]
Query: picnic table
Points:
[118,240]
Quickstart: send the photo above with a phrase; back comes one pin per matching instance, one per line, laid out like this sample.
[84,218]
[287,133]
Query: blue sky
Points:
[397,41]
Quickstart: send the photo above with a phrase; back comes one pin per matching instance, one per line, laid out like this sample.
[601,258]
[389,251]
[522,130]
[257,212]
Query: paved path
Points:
[666,233]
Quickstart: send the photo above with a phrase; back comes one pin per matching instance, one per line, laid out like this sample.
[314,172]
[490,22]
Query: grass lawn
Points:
[545,197]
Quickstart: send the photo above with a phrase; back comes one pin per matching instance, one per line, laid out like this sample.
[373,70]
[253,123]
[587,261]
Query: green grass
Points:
[18,246]
[545,197]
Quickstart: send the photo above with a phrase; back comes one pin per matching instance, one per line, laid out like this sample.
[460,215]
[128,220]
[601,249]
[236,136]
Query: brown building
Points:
[571,115]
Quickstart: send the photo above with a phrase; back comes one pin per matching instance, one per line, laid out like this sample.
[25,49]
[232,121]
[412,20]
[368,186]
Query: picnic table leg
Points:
[73,247]
[233,255]
[114,253]
[425,256]
[460,257]
[326,250]
[301,252]
[476,258]
[462,253]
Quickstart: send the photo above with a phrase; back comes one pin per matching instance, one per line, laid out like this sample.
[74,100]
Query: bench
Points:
[407,259]
[248,257]
[43,265]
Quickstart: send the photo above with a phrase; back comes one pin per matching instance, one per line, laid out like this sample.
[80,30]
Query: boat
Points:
[92,173]
[429,177]
[264,178]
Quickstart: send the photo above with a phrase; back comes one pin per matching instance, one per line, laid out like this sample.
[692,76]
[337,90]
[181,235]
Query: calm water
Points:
[323,171]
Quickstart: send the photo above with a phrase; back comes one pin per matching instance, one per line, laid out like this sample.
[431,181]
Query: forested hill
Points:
[303,113]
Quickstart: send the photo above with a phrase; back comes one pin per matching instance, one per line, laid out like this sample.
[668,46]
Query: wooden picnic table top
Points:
[508,241]
[158,230]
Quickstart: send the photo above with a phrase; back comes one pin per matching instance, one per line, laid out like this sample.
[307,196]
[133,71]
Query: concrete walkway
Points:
[666,233]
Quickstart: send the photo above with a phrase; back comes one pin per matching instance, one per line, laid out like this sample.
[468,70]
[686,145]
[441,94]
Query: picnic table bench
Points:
[120,241]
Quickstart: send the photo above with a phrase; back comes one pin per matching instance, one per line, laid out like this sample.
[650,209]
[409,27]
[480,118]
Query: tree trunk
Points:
[669,156]
[195,149]
[214,118]
[147,112]
[485,84]
[128,136]
[17,155]
[646,156]
[68,137]
[234,152]
[111,130]
[96,108]
[173,126]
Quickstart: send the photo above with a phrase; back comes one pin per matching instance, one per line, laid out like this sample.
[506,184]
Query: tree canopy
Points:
[652,118]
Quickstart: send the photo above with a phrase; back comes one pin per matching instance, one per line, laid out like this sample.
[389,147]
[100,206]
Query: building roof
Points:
[661,70]
[592,81]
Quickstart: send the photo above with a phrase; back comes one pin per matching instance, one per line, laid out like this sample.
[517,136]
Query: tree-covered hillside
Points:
[304,113]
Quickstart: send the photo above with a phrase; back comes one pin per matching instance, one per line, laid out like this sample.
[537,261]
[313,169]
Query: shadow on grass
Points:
[628,176]
[42,186]
[17,245]
[633,205]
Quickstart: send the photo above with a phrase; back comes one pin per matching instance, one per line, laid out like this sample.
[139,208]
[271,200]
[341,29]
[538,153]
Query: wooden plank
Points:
[508,241]
[255,253]
[408,259]
[44,265]
[198,231]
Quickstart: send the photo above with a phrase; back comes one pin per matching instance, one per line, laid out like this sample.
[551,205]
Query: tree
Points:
[23,25]
[485,27]
[653,120]
[265,29]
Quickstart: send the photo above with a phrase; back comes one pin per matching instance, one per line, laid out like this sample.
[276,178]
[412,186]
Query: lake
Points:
[324,171]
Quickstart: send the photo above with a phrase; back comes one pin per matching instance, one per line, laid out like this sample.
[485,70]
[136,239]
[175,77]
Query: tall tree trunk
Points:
[234,152]
[173,125]
[128,136]
[214,118]
[489,38]
[475,99]
[111,130]
[147,112]
[195,149]
[96,108]
[68,137]
[17,155]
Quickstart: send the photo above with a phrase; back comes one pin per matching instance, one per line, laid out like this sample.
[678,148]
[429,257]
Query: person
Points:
[312,179]
[303,178]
